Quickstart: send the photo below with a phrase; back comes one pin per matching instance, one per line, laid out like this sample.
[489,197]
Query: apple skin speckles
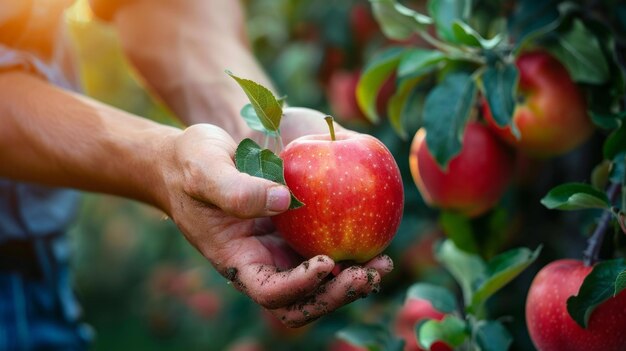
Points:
[353,196]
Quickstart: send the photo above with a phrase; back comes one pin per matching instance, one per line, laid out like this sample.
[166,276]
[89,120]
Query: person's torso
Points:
[32,39]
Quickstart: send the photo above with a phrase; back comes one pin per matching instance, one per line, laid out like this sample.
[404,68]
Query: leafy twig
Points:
[590,255]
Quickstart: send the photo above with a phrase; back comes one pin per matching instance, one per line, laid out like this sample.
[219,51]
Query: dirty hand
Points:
[224,214]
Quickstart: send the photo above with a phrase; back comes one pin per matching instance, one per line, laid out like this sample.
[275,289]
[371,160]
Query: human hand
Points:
[223,213]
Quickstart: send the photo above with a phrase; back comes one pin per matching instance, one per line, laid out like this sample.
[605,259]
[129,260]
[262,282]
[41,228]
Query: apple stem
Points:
[331,127]
[591,253]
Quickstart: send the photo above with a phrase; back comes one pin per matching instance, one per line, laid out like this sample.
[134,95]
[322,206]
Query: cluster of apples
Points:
[552,120]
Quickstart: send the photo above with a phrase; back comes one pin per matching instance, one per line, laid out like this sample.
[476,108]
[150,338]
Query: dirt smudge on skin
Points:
[370,275]
[231,273]
[306,265]
[350,293]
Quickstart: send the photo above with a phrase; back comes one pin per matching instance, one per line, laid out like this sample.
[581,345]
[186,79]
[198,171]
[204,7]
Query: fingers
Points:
[272,288]
[382,264]
[245,196]
[209,175]
[352,283]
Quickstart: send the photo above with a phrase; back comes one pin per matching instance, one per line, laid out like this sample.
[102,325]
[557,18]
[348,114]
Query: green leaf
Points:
[608,120]
[417,62]
[374,76]
[501,270]
[615,143]
[441,298]
[371,337]
[492,336]
[459,229]
[467,269]
[467,35]
[575,196]
[580,52]
[267,108]
[446,113]
[532,19]
[500,83]
[620,283]
[452,330]
[445,12]
[397,21]
[262,163]
[252,120]
[401,106]
[598,286]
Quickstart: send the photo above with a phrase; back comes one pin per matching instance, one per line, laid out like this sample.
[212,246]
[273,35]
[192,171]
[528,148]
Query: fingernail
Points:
[278,199]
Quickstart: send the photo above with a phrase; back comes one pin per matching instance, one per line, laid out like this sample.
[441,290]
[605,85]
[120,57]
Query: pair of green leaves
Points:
[478,279]
[264,114]
[488,335]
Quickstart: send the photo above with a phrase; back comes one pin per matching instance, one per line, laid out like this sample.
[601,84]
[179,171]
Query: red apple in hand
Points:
[552,119]
[551,327]
[352,191]
[411,313]
[475,179]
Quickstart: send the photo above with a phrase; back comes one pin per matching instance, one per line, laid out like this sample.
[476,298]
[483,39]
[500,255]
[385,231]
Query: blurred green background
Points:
[143,287]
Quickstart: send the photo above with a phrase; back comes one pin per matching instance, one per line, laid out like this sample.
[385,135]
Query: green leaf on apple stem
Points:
[451,330]
[445,12]
[441,298]
[500,84]
[418,62]
[615,143]
[575,196]
[250,158]
[464,34]
[371,336]
[620,283]
[467,269]
[492,336]
[599,286]
[252,120]
[501,270]
[267,108]
[580,52]
[397,21]
[374,76]
[446,113]
[458,228]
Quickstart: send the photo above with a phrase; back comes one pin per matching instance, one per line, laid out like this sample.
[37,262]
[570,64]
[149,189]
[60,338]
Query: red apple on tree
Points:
[552,118]
[551,327]
[352,191]
[475,179]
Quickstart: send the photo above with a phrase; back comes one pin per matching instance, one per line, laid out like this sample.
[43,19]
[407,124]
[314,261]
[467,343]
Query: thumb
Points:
[245,196]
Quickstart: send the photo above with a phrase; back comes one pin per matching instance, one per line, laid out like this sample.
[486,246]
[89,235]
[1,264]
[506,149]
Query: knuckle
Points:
[193,177]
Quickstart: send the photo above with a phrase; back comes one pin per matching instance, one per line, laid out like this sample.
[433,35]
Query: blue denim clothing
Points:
[41,313]
[29,210]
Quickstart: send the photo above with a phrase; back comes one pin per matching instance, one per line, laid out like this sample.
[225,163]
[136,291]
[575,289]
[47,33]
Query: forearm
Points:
[53,137]
[182,48]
